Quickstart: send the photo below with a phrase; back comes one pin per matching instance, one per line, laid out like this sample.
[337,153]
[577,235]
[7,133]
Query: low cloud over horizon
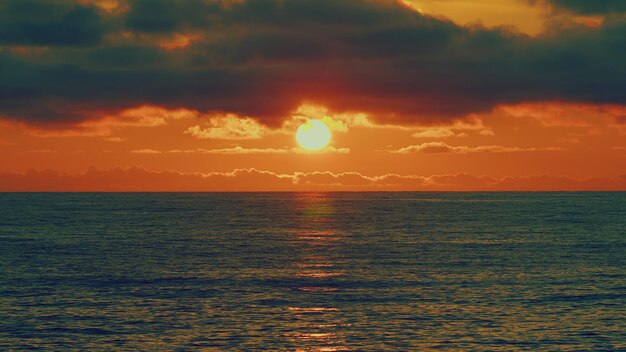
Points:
[141,180]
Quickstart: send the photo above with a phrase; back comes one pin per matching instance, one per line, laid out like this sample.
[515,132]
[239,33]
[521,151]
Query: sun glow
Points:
[313,135]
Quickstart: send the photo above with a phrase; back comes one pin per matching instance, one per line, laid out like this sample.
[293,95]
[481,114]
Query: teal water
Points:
[313,272]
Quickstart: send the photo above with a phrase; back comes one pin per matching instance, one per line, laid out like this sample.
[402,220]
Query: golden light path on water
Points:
[319,326]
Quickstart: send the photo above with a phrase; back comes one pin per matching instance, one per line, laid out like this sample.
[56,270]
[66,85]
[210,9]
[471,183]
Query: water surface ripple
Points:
[313,272]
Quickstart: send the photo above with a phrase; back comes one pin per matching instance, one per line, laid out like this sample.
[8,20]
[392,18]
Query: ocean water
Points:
[313,272]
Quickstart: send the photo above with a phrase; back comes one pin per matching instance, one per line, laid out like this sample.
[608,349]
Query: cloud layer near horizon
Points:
[66,61]
[141,180]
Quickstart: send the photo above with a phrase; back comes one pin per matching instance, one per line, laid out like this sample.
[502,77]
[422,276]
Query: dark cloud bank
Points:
[591,7]
[62,62]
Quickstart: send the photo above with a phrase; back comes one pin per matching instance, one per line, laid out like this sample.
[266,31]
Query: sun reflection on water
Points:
[317,269]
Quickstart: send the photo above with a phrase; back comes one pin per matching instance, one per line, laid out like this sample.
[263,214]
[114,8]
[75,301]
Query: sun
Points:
[313,135]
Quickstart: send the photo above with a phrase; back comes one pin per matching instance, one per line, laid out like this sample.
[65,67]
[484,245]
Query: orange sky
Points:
[520,144]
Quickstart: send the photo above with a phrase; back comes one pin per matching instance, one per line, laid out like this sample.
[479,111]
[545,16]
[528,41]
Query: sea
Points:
[313,271]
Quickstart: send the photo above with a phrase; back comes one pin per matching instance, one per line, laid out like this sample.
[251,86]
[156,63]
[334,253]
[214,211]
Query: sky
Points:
[207,95]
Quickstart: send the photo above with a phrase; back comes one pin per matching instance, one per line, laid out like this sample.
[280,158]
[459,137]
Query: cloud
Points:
[459,127]
[58,23]
[178,41]
[264,58]
[441,147]
[146,151]
[229,126]
[234,150]
[434,133]
[327,150]
[142,116]
[137,180]
[165,16]
[115,139]
[594,7]
[559,114]
[109,6]
[343,122]
[339,122]
[41,151]
[242,150]
[430,147]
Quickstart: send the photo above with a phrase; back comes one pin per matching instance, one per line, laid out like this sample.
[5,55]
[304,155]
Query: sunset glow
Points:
[464,94]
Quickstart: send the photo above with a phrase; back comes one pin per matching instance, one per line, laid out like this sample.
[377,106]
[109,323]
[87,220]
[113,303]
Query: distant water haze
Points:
[313,271]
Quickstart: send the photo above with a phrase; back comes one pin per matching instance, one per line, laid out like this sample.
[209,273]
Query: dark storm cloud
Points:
[263,58]
[38,22]
[592,7]
[169,15]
